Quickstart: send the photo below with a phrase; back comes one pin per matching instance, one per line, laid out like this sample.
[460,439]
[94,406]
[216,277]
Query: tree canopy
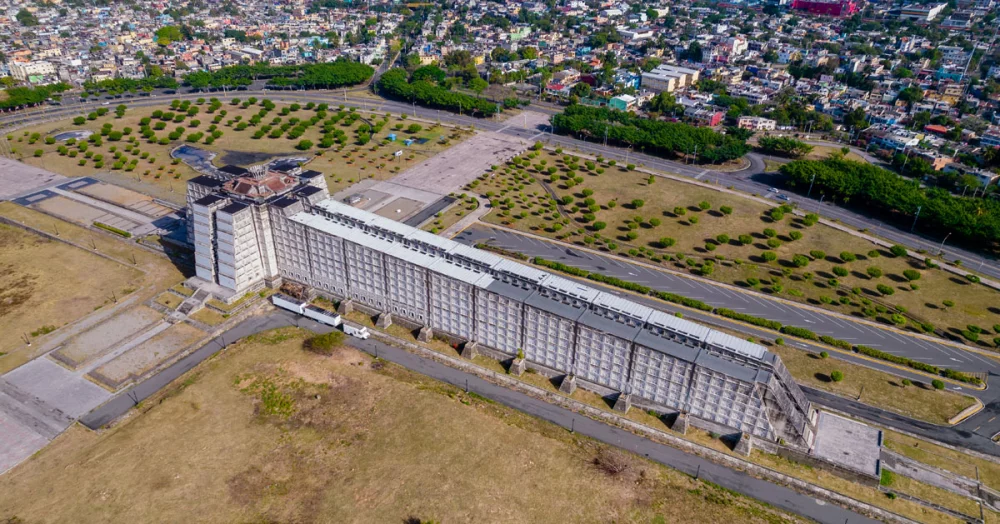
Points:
[315,76]
[395,83]
[973,220]
[664,138]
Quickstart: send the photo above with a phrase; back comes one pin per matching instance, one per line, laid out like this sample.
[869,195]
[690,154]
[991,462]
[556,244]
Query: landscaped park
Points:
[132,147]
[711,232]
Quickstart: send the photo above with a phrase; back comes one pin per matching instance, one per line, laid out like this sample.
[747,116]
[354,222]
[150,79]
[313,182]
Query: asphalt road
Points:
[778,496]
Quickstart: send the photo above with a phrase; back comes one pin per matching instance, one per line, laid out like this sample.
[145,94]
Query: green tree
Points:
[25,18]
[168,34]
[581,90]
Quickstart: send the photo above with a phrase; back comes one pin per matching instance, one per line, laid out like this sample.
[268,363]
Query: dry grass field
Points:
[45,284]
[944,458]
[270,433]
[70,282]
[817,476]
[157,175]
[682,225]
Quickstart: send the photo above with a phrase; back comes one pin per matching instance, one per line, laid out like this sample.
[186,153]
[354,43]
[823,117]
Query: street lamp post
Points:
[941,247]
[915,217]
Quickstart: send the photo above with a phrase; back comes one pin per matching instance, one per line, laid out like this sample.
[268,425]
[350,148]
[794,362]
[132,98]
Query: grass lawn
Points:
[445,219]
[49,283]
[819,477]
[944,458]
[169,300]
[682,225]
[934,494]
[157,175]
[208,316]
[823,152]
[884,390]
[45,284]
[274,433]
[772,166]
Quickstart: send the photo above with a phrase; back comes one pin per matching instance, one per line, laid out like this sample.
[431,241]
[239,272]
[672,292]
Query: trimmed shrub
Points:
[325,344]
[836,376]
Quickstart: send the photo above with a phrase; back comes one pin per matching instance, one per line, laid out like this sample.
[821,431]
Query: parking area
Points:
[58,387]
[81,213]
[455,167]
[137,361]
[18,179]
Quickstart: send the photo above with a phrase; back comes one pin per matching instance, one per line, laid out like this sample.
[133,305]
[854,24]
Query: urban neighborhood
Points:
[581,261]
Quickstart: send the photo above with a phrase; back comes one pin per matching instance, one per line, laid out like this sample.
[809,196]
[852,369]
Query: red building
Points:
[837,8]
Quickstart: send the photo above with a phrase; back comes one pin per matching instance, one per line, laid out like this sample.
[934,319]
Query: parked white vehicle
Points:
[322,316]
[357,332]
[289,303]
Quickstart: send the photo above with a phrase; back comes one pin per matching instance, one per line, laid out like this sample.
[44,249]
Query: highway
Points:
[778,496]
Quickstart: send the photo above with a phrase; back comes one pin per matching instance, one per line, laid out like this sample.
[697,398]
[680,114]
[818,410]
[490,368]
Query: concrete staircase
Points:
[190,305]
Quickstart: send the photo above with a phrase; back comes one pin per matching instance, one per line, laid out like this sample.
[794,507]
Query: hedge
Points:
[682,300]
[113,229]
[559,266]
[836,342]
[750,319]
[959,376]
[920,366]
[799,332]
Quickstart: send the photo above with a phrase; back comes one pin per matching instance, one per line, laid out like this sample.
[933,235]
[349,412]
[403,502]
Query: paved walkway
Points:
[468,219]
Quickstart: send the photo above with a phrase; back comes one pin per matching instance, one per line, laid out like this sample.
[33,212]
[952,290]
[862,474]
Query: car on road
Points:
[785,198]
[773,190]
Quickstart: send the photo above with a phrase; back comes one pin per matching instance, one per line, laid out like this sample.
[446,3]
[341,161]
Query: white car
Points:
[773,190]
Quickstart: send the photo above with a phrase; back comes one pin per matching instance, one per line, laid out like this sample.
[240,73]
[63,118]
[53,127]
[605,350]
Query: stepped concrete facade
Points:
[649,357]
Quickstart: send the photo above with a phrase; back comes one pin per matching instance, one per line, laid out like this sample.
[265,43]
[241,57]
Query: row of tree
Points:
[424,90]
[864,186]
[313,76]
[122,85]
[18,97]
[653,136]
[783,146]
